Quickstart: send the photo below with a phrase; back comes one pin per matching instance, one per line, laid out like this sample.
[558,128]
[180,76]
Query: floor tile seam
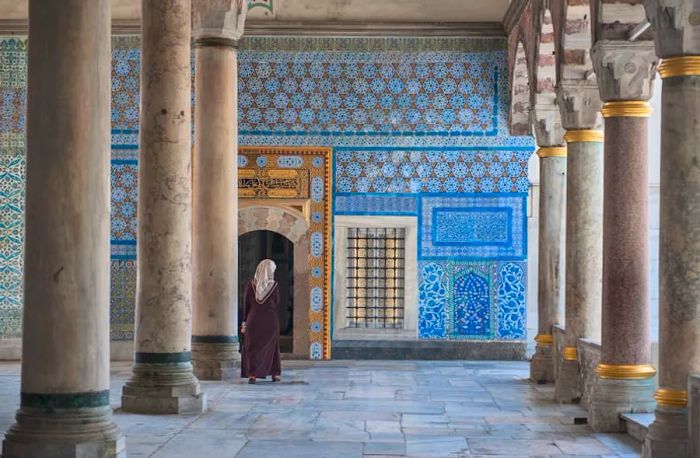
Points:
[185,426]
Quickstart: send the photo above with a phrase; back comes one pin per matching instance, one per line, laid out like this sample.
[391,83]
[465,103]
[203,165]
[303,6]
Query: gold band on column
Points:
[671,398]
[544,339]
[680,66]
[626,108]
[552,151]
[570,354]
[625,371]
[583,135]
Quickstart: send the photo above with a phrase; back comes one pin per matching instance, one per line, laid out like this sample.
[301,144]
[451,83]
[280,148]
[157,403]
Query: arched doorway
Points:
[255,246]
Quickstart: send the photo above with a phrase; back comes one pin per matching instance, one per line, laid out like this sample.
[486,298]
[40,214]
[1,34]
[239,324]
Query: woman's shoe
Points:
[251,380]
[276,378]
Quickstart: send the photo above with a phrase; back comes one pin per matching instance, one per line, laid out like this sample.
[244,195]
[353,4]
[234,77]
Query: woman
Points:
[261,329]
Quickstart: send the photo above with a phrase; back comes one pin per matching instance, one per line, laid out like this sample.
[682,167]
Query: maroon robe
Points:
[261,341]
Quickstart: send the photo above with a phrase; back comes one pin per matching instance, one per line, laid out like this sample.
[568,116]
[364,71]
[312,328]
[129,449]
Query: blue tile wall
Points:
[13,93]
[418,127]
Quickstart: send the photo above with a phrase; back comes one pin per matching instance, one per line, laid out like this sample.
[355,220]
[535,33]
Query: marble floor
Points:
[342,409]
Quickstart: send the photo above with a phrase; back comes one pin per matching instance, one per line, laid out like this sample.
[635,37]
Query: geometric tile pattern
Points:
[415,171]
[346,93]
[13,92]
[13,95]
[122,299]
[373,92]
[472,227]
[124,200]
[12,194]
[376,204]
[126,58]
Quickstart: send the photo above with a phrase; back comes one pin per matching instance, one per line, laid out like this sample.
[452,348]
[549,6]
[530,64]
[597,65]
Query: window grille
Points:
[375,278]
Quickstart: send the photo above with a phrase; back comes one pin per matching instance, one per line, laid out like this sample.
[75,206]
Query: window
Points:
[375,277]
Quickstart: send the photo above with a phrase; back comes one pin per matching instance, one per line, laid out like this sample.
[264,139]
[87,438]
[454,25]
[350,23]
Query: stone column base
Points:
[163,389]
[613,397]
[216,361]
[542,364]
[66,433]
[668,434]
[567,386]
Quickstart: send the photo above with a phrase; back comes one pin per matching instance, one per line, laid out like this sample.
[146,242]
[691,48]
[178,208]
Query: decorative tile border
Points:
[375,204]
[318,163]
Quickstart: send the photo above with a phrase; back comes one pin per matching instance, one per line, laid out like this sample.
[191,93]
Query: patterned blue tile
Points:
[432,292]
[390,170]
[472,306]
[376,204]
[473,227]
[511,300]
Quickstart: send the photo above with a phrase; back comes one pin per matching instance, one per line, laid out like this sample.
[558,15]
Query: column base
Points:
[613,397]
[567,386]
[668,434]
[216,361]
[64,433]
[542,364]
[163,388]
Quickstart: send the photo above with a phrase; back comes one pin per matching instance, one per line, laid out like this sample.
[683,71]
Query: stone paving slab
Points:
[348,409]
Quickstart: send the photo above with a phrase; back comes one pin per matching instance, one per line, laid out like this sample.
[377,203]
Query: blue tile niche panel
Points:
[472,227]
[472,300]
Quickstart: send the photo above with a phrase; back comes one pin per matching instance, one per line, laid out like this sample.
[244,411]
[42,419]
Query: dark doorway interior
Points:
[255,246]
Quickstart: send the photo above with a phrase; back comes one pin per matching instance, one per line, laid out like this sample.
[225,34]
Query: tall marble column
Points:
[64,404]
[625,375]
[217,28]
[163,381]
[678,45]
[580,104]
[550,297]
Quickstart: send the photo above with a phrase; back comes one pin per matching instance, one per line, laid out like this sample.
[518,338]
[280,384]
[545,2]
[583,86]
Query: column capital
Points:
[624,70]
[579,104]
[218,22]
[548,127]
[677,26]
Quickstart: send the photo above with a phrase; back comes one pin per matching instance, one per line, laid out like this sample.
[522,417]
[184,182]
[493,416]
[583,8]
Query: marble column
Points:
[625,375]
[580,104]
[678,45]
[551,238]
[215,190]
[163,380]
[64,403]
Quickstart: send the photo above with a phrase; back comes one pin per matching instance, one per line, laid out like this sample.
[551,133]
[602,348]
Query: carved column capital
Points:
[579,104]
[624,70]
[218,22]
[677,26]
[548,127]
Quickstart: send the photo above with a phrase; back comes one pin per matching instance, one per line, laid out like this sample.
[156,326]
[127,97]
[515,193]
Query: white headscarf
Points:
[264,279]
